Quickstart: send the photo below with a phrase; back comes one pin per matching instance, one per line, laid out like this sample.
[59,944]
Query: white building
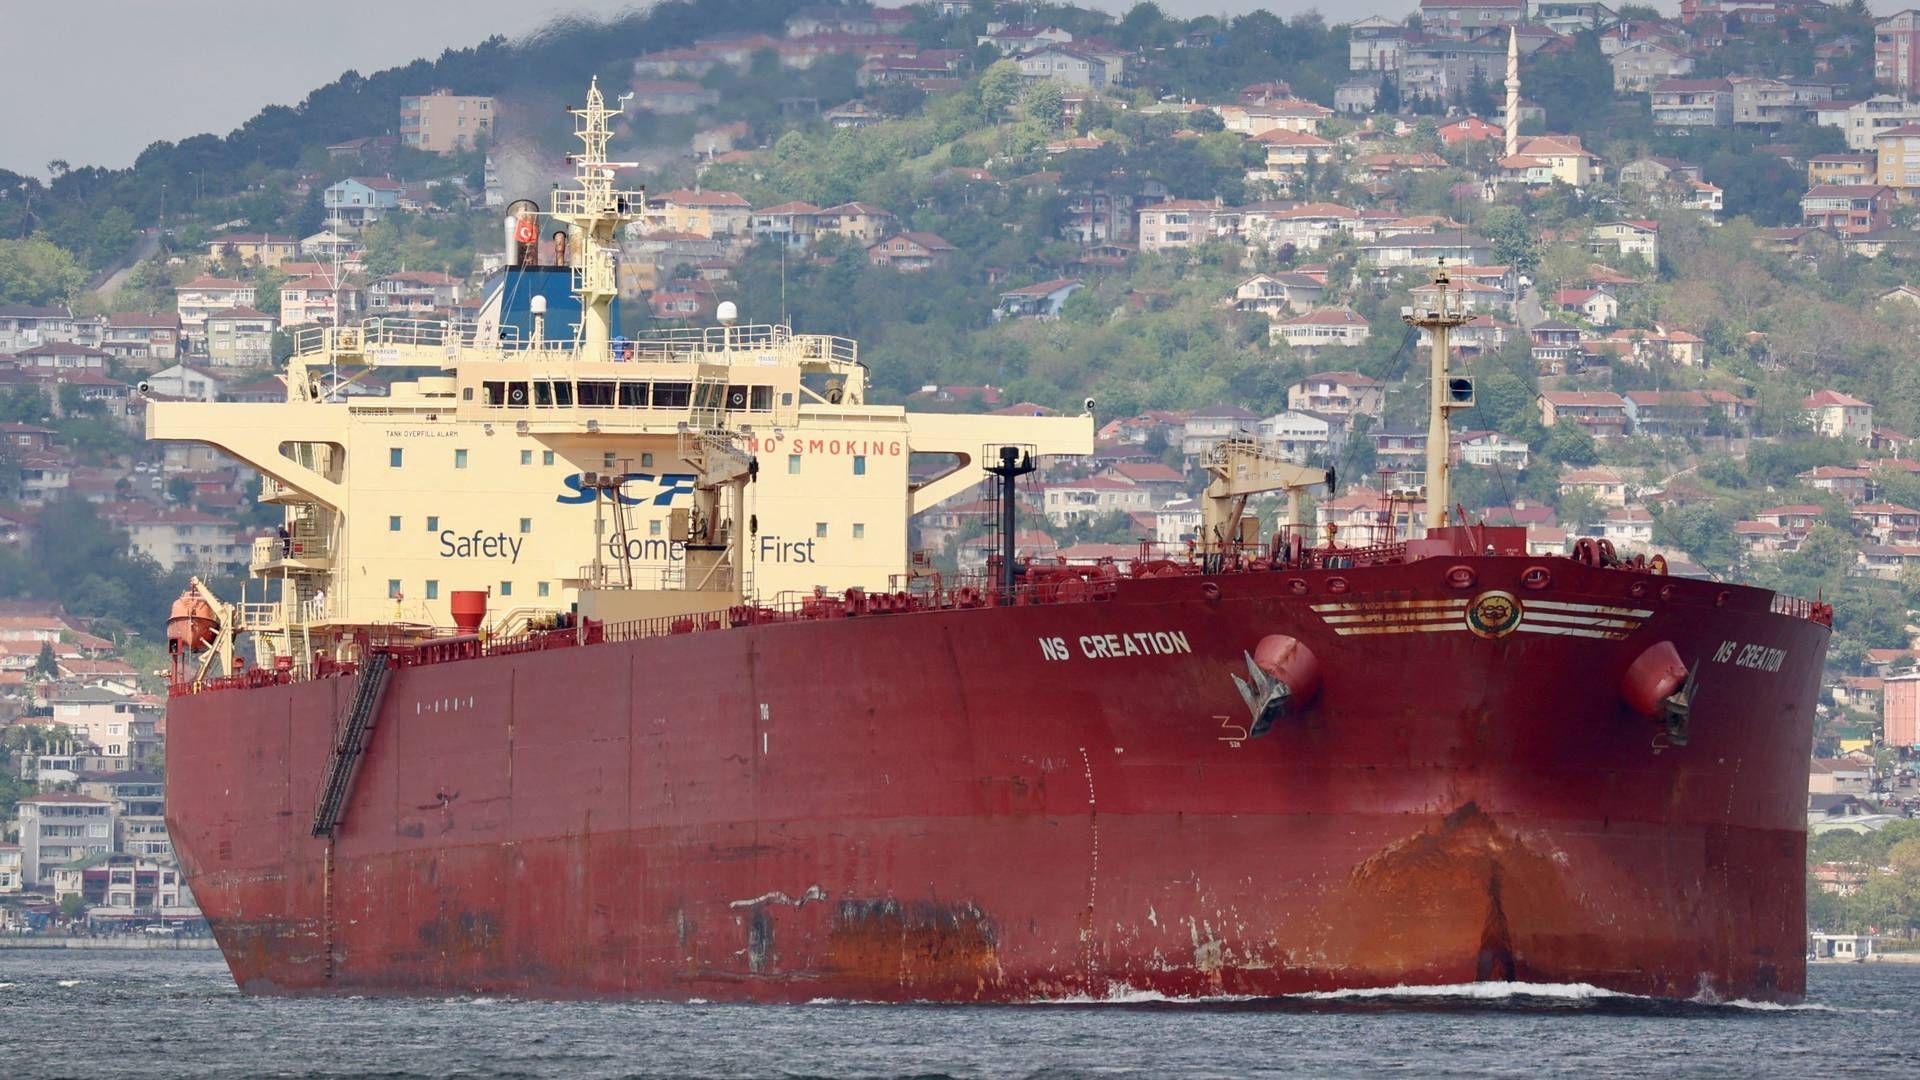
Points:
[58,827]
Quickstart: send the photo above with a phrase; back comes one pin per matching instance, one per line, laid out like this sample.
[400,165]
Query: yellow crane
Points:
[1240,468]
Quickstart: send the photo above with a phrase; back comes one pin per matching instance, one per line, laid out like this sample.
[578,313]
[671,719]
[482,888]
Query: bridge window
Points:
[596,395]
[633,395]
[672,395]
[762,399]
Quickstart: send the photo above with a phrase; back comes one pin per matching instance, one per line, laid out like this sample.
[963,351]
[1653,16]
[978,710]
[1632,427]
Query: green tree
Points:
[1001,87]
[36,271]
[1045,105]
[1516,241]
[47,666]
[1569,444]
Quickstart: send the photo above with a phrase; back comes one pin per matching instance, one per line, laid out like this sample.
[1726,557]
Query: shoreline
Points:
[141,944]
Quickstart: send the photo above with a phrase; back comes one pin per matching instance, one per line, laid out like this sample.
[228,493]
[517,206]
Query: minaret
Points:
[1512,119]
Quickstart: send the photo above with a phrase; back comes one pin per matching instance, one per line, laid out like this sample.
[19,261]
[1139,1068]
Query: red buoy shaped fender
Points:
[1288,660]
[1653,677]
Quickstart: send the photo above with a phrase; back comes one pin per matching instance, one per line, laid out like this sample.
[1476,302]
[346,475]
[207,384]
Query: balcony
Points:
[298,553]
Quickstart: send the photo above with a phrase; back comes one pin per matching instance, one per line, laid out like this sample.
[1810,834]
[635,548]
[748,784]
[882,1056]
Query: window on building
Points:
[459,459]
[393,523]
[393,588]
[433,590]
[393,457]
[542,589]
[506,588]
[859,464]
[859,531]
[820,529]
[526,457]
[793,464]
[546,457]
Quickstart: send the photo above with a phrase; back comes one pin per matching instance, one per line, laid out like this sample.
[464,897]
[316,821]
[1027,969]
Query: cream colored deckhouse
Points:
[552,466]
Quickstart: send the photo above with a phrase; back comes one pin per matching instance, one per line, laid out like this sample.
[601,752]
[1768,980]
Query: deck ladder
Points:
[362,714]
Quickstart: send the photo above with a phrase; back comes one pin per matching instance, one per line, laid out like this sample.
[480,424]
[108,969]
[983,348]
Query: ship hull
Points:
[1040,802]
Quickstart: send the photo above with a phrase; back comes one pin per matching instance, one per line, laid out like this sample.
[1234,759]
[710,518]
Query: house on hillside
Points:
[910,251]
[358,201]
[1601,413]
[1042,300]
[1343,394]
[1326,327]
[1838,416]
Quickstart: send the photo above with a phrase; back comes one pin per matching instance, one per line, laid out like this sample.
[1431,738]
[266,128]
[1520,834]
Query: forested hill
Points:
[91,211]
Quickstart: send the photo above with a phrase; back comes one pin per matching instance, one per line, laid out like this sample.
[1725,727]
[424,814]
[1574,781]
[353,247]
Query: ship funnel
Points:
[469,610]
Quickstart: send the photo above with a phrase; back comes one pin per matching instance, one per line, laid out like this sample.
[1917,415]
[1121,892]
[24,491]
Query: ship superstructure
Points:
[761,766]
[534,454]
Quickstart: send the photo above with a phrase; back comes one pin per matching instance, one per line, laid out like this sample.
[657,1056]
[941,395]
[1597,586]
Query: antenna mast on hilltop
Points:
[593,214]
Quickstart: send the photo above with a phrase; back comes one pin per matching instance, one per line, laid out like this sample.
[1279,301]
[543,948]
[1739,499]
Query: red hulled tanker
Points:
[1062,797]
[1397,756]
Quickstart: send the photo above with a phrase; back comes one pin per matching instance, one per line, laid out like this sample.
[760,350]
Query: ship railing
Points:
[272,549]
[1799,607]
[256,615]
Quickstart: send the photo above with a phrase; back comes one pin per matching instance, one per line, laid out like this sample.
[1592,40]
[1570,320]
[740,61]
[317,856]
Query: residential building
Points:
[1207,428]
[360,200]
[1343,394]
[56,358]
[1490,449]
[861,222]
[1318,329]
[1357,97]
[1555,347]
[1638,237]
[1841,168]
[318,300]
[1278,293]
[11,859]
[1627,527]
[1289,153]
[1259,117]
[1896,52]
[414,292]
[239,337]
[1604,486]
[1643,65]
[1041,301]
[1897,159]
[1076,500]
[715,214]
[123,886]
[1567,160]
[1570,17]
[1376,44]
[1692,103]
[1838,416]
[1682,413]
[1178,223]
[58,827]
[790,224]
[1771,102]
[141,338]
[1301,436]
[1400,252]
[1603,414]
[256,249]
[444,122]
[180,537]
[186,383]
[22,326]
[1876,114]
[1596,307]
[1065,65]
[1847,209]
[910,251]
[1441,68]
[1466,18]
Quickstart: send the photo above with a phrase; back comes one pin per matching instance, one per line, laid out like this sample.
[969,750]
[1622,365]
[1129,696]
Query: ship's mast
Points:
[594,214]
[1444,394]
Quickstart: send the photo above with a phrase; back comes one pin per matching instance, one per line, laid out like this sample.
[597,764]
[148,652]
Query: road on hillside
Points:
[144,247]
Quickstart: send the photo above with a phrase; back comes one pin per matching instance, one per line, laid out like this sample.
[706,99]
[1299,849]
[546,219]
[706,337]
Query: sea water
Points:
[177,1014]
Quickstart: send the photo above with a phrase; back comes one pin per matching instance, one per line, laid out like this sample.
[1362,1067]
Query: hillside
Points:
[1176,216]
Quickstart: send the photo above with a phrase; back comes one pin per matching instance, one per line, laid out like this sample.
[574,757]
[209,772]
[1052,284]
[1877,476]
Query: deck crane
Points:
[1240,468]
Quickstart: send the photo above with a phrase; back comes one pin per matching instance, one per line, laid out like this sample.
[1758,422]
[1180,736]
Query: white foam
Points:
[8,986]
[1486,991]
[67,983]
